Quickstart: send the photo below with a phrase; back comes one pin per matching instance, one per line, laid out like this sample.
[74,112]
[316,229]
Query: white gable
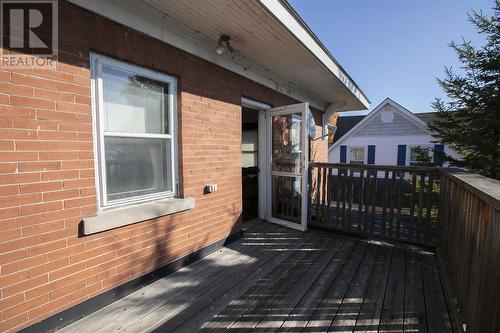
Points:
[389,121]
[386,127]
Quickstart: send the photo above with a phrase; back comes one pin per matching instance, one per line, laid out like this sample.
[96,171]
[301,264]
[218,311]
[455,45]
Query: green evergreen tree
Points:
[423,157]
[470,121]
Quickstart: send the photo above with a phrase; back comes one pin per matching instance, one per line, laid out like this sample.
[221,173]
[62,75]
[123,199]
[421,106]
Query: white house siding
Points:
[386,147]
[389,122]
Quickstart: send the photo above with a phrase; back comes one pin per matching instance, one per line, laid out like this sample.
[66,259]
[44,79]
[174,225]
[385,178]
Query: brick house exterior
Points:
[47,170]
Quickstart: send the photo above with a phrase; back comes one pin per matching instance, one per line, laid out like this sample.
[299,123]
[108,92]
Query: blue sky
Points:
[393,48]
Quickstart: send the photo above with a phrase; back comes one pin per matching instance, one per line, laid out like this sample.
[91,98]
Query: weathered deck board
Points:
[258,313]
[414,296]
[279,280]
[347,314]
[438,319]
[329,305]
[301,314]
[369,315]
[271,270]
[393,310]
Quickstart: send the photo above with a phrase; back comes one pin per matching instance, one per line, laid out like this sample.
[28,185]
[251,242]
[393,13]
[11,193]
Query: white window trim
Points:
[96,61]
[410,147]
[348,158]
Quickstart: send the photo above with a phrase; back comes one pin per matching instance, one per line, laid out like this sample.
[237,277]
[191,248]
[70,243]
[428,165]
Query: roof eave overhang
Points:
[141,16]
[288,17]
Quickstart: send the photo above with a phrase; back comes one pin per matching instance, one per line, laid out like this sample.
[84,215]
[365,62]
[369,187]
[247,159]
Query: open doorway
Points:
[274,172]
[250,163]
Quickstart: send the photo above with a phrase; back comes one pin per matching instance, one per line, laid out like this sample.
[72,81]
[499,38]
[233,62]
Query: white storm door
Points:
[288,153]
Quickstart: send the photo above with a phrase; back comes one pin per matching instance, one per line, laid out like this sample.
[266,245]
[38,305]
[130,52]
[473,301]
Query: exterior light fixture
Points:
[223,44]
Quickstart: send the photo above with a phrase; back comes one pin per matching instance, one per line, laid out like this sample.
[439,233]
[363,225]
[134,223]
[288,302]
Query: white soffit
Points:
[294,26]
[272,48]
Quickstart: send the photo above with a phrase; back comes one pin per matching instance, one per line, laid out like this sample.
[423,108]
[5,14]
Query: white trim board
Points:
[405,112]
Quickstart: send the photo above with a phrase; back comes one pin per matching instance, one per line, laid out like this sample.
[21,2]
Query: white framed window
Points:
[135,129]
[357,155]
[413,158]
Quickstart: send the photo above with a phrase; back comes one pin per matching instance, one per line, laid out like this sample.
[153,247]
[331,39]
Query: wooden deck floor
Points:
[278,280]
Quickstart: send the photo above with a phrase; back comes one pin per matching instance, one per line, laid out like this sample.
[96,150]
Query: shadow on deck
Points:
[278,280]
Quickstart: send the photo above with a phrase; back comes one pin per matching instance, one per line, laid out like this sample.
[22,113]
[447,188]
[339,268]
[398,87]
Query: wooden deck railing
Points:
[468,247]
[455,212]
[391,202]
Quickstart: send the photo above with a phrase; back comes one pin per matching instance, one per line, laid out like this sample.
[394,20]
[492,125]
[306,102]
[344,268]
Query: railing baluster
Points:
[374,200]
[420,206]
[361,198]
[428,209]
[319,203]
[367,202]
[384,201]
[325,198]
[343,190]
[329,186]
[412,206]
[399,203]
[350,186]
[392,199]
[337,189]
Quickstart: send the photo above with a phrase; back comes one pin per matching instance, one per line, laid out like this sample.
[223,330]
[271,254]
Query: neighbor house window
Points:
[135,132]
[417,151]
[357,155]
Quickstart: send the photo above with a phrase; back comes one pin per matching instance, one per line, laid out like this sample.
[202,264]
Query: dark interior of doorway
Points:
[249,163]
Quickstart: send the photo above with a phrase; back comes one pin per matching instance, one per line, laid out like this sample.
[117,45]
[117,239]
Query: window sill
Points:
[120,217]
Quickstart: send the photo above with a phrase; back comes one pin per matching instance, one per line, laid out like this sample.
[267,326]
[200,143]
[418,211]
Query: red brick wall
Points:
[47,182]
[319,147]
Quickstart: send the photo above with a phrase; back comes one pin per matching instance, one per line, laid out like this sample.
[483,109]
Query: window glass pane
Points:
[132,103]
[249,148]
[137,166]
[286,142]
[357,155]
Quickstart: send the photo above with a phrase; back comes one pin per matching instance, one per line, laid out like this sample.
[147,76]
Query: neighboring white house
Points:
[388,135]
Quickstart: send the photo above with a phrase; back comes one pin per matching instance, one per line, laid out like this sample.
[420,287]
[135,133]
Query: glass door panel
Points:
[288,146]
